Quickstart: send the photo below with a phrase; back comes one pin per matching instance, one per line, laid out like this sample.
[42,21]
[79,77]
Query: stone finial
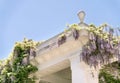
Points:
[81,16]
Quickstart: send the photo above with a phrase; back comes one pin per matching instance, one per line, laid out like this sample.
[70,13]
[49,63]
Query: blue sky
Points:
[42,19]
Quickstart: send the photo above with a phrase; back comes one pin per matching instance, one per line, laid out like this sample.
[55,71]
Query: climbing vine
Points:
[110,73]
[103,45]
[17,68]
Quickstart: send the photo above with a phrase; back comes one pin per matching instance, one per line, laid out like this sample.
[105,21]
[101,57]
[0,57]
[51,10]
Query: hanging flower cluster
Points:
[61,39]
[103,44]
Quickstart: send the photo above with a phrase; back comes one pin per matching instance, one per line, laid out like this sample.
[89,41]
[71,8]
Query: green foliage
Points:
[107,73]
[17,68]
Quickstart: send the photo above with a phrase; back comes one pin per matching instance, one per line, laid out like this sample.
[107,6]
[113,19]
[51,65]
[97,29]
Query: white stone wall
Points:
[54,59]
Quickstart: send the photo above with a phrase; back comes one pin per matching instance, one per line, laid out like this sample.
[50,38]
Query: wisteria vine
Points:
[103,45]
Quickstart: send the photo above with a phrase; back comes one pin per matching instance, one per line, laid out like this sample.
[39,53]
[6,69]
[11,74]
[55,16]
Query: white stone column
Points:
[78,70]
[81,72]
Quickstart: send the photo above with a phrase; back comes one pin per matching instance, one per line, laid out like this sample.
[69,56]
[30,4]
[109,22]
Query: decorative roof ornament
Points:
[81,16]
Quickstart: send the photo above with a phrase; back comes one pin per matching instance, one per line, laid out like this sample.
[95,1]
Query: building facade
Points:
[59,58]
